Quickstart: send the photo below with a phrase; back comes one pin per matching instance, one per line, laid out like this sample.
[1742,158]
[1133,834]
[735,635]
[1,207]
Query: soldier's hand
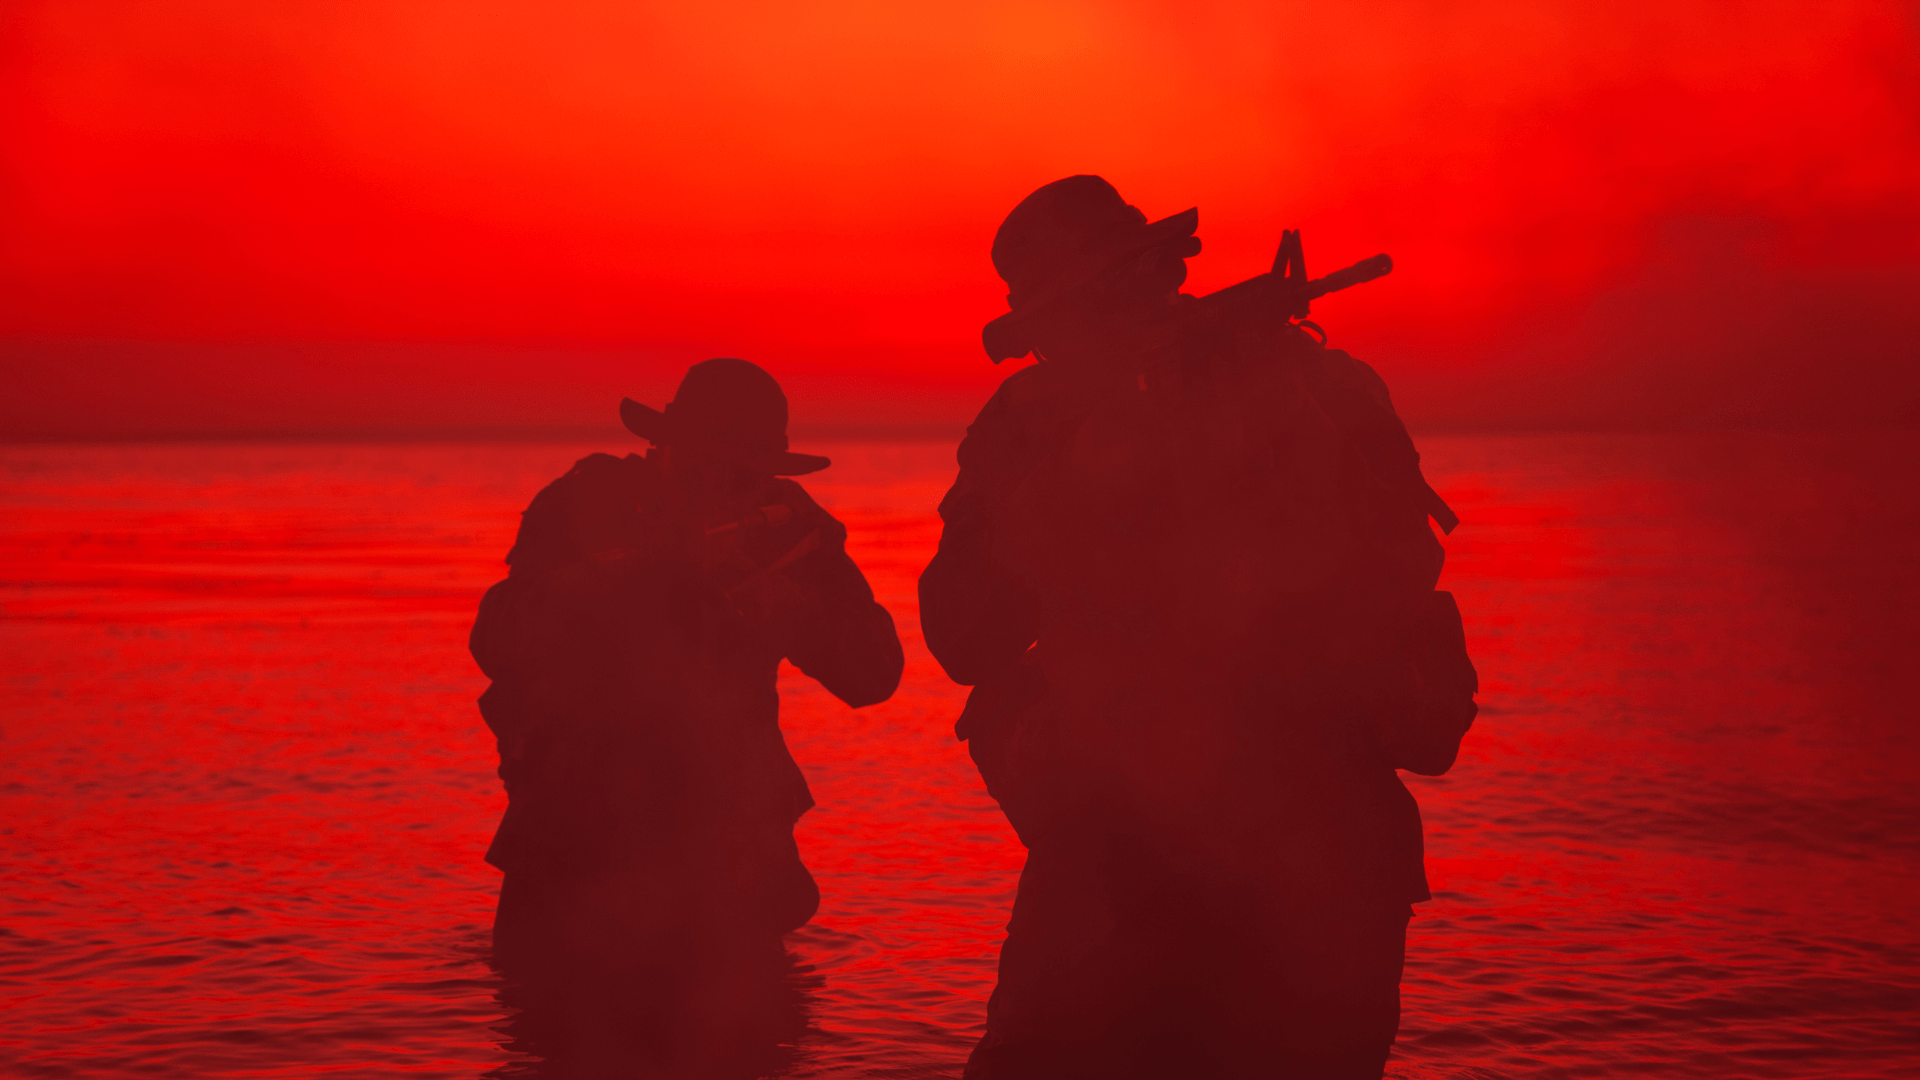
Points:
[775,604]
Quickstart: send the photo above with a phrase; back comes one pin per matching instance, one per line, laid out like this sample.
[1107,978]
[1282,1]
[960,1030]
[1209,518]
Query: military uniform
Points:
[651,797]
[1197,604]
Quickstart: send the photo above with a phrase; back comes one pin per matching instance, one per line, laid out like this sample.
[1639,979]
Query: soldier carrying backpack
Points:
[1187,568]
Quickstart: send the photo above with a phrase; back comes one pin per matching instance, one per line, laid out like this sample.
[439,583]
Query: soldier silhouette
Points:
[648,840]
[1187,568]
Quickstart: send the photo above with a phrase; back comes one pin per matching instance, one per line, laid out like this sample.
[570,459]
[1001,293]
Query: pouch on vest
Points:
[1427,739]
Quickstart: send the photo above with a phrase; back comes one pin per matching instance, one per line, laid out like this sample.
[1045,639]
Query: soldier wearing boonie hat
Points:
[648,838]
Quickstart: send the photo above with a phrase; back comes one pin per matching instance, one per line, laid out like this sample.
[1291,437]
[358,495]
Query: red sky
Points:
[384,216]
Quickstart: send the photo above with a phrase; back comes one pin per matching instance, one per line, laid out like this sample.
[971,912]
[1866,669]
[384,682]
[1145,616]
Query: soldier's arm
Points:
[1426,737]
[1356,398]
[977,616]
[822,612]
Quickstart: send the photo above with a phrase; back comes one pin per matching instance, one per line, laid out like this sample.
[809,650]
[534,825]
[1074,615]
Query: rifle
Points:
[1276,300]
[1287,287]
[1280,296]
[1283,295]
[716,545]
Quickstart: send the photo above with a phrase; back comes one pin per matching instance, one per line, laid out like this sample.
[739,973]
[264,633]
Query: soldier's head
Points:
[1075,257]
[725,429]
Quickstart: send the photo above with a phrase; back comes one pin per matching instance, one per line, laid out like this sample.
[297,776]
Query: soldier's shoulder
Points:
[593,477]
[1020,394]
[995,414]
[1031,384]
[1342,371]
[1023,376]
[549,523]
[604,467]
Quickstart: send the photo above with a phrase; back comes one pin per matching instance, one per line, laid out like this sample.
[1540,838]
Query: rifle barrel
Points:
[1364,270]
[1257,286]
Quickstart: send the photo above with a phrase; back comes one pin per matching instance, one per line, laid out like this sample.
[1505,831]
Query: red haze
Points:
[227,216]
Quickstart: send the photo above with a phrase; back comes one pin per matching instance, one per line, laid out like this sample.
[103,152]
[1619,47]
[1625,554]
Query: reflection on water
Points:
[659,1023]
[246,790]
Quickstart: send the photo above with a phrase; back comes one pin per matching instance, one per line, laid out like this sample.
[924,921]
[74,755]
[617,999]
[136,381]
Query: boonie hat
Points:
[728,409]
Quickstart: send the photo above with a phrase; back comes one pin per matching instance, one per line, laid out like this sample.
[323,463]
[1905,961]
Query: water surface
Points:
[244,789]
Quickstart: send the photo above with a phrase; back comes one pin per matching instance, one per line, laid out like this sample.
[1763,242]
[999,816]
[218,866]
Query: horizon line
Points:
[909,432]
